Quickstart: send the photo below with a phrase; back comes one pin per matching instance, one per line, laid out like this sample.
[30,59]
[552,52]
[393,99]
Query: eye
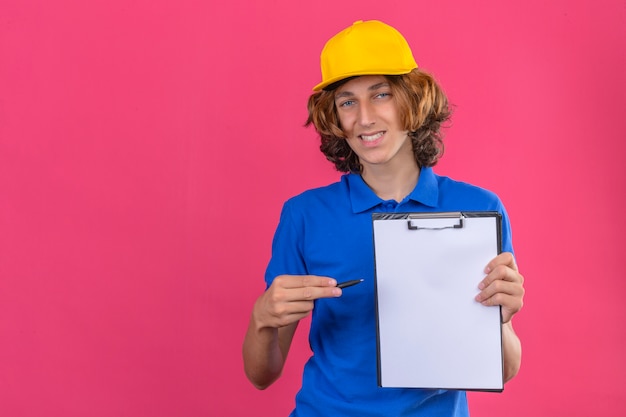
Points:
[383,95]
[346,103]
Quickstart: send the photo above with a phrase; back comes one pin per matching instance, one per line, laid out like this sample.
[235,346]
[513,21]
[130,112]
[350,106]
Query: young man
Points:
[379,119]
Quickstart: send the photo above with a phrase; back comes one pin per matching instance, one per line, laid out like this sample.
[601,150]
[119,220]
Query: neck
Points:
[392,184]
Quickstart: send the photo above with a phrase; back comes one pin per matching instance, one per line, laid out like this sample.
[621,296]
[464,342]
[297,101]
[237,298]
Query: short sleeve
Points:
[287,254]
[507,239]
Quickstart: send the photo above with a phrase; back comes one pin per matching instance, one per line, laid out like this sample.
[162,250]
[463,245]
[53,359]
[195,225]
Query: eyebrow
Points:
[370,88]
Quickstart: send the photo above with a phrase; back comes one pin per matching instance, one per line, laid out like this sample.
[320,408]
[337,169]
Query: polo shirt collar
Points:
[363,198]
[361,195]
[427,189]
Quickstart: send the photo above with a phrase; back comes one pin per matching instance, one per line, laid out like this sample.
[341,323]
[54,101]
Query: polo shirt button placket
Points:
[390,205]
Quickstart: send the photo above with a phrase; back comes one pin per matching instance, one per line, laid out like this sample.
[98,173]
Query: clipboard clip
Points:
[413,222]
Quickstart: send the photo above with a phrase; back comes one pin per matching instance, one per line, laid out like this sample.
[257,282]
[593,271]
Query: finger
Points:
[300,281]
[314,293]
[278,294]
[510,304]
[287,313]
[505,258]
[500,286]
[292,308]
[508,301]
[502,273]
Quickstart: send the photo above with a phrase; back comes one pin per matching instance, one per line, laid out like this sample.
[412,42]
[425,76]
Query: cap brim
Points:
[338,78]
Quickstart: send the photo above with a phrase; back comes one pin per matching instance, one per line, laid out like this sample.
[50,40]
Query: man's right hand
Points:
[290,299]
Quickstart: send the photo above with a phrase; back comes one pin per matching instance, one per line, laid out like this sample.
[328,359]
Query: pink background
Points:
[146,148]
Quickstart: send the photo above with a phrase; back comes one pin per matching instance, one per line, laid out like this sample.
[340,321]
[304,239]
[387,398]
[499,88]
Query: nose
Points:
[366,114]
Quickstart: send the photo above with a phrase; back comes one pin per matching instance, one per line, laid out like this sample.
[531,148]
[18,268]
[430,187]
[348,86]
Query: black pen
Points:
[349,283]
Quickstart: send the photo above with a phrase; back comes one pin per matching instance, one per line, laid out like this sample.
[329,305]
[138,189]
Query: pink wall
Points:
[146,148]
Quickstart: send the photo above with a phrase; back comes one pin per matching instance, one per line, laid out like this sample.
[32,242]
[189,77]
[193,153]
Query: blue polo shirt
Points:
[328,231]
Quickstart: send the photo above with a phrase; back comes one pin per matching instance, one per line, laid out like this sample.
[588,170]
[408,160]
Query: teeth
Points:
[367,138]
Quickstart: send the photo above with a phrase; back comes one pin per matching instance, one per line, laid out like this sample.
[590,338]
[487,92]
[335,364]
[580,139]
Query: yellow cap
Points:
[365,48]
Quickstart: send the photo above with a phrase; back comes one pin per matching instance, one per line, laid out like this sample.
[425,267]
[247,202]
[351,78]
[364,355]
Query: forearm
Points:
[512,349]
[265,351]
[274,320]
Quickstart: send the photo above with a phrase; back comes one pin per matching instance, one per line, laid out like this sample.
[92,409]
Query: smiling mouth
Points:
[371,138]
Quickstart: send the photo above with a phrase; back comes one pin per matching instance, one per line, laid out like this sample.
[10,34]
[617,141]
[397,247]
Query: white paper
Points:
[431,331]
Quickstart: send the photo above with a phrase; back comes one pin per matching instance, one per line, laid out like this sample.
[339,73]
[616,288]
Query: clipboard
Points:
[431,333]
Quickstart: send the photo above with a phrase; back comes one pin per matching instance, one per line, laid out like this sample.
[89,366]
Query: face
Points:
[369,118]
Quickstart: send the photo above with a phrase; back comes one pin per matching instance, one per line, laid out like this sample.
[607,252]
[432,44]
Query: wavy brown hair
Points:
[423,108]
